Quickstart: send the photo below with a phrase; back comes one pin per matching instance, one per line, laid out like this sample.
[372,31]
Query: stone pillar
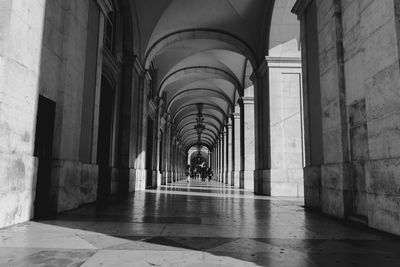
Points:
[179,162]
[312,114]
[226,154]
[155,110]
[174,159]
[21,46]
[236,144]
[260,79]
[223,150]
[140,164]
[249,150]
[242,143]
[216,161]
[160,140]
[165,153]
[336,169]
[286,126]
[229,154]
[171,156]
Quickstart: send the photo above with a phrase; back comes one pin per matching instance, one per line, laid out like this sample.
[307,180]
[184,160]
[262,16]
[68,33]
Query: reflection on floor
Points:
[196,224]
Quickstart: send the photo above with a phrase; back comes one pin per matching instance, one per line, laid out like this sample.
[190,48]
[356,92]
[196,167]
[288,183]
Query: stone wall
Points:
[21,23]
[371,78]
[63,64]
[359,78]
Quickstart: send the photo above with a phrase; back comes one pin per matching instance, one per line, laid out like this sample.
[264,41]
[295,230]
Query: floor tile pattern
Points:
[196,224]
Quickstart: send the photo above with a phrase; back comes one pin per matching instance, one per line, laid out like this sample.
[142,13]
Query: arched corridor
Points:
[261,124]
[196,224]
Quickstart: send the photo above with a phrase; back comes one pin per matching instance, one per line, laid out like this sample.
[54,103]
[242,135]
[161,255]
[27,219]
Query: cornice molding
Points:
[283,62]
[300,6]
[248,100]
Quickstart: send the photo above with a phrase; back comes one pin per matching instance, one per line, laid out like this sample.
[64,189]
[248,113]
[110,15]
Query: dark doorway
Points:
[104,140]
[149,154]
[44,152]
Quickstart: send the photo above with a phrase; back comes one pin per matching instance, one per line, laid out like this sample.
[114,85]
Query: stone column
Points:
[312,114]
[249,149]
[237,149]
[286,126]
[140,166]
[156,116]
[216,161]
[165,156]
[179,162]
[229,154]
[242,143]
[223,150]
[21,46]
[226,155]
[336,170]
[260,79]
[171,157]
[174,159]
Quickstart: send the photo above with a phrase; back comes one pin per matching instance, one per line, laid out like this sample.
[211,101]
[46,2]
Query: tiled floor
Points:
[196,224]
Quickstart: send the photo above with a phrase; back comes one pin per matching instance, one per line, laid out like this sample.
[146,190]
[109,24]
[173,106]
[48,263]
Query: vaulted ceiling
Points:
[202,52]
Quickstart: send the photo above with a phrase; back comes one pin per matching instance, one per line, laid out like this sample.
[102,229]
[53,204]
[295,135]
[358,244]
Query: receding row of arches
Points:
[146,82]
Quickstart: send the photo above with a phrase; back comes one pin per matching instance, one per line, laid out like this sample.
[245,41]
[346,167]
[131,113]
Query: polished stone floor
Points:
[196,224]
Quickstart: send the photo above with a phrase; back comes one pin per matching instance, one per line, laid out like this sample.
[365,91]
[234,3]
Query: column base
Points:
[155,179]
[336,189]
[312,187]
[248,179]
[73,184]
[221,177]
[262,182]
[122,181]
[169,177]
[241,179]
[287,182]
[227,177]
[164,176]
[234,178]
[18,171]
[140,179]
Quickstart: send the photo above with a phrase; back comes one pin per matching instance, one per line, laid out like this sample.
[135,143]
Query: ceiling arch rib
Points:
[192,132]
[227,41]
[193,141]
[206,103]
[199,72]
[191,120]
[191,125]
[205,106]
[211,92]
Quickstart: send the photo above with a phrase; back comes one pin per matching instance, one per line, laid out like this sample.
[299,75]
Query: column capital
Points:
[258,73]
[229,126]
[248,100]
[236,116]
[284,62]
[300,6]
